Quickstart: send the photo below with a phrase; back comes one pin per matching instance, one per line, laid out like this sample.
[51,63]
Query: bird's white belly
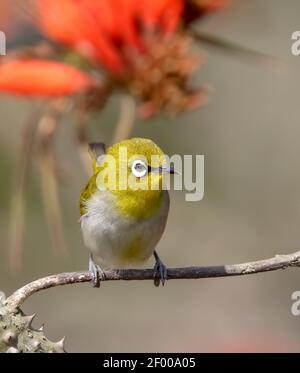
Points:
[116,241]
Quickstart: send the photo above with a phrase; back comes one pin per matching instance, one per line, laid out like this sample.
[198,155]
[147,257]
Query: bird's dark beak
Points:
[166,169]
[171,170]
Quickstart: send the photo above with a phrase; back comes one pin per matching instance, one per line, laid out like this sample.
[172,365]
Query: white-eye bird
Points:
[121,226]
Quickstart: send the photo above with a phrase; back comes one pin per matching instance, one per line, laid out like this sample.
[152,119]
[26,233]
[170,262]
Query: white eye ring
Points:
[139,168]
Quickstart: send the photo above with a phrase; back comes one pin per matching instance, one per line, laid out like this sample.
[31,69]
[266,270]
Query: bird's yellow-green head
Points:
[132,171]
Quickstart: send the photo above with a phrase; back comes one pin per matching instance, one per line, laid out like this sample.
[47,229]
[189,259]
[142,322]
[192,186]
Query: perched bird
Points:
[124,207]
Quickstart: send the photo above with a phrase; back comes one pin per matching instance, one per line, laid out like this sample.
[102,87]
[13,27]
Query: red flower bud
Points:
[41,78]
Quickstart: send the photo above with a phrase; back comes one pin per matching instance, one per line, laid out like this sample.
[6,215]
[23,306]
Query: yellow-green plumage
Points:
[87,192]
[138,204]
[122,227]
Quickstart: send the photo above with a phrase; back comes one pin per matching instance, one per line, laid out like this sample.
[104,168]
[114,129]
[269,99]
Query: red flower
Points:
[42,78]
[136,41]
[102,29]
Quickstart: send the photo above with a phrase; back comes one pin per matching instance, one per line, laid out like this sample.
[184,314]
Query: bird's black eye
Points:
[139,168]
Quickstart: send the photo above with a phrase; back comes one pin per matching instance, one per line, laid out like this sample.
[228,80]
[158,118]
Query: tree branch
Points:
[271,264]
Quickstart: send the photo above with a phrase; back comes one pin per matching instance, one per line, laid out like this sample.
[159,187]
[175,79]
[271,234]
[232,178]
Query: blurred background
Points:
[249,133]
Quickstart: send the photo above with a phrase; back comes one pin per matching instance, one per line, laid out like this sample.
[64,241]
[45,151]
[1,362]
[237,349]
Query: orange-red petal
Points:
[41,78]
[77,24]
[161,13]
[59,20]
[101,29]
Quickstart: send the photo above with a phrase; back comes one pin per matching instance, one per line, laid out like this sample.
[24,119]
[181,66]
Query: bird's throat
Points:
[140,204]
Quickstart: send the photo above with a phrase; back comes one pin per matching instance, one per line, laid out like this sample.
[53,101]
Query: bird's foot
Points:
[160,271]
[96,271]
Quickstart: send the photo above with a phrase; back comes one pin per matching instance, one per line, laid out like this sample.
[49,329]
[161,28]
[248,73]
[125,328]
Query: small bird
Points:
[122,226]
